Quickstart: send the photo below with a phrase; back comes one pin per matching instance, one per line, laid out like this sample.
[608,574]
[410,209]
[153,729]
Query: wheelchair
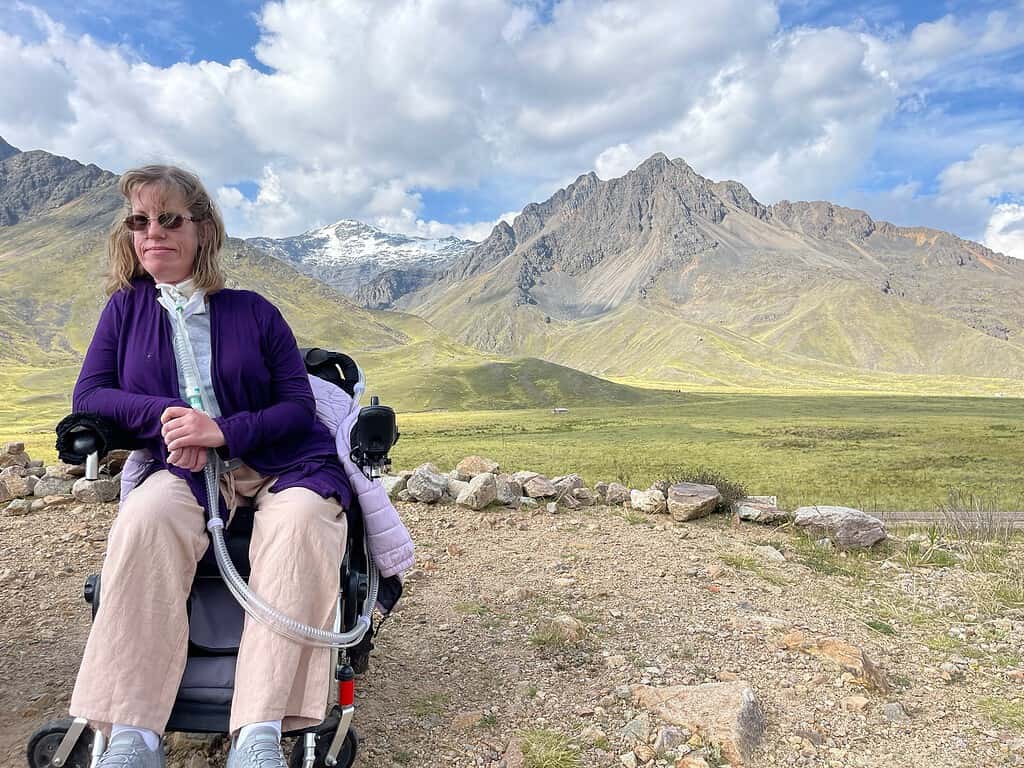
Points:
[203,702]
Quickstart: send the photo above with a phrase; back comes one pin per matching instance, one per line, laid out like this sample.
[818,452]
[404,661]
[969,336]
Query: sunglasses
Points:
[137,222]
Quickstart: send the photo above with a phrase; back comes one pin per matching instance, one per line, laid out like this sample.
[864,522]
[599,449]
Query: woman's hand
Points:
[192,459]
[189,428]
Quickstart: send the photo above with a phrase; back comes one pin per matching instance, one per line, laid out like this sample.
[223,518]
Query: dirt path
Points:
[460,669]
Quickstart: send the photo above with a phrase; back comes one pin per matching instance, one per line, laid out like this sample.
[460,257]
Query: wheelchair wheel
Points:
[44,742]
[346,756]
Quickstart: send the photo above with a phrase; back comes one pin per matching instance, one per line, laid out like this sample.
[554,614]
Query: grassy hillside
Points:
[51,294]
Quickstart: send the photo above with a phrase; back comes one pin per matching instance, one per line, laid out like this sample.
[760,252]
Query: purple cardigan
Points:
[269,416]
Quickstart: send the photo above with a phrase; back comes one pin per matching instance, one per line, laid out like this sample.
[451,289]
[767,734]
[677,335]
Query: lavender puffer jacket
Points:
[386,536]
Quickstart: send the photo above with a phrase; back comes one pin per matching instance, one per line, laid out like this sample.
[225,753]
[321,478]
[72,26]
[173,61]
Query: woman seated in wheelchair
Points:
[257,406]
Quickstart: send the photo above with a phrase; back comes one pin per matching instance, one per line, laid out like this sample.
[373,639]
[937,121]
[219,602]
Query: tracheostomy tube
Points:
[252,603]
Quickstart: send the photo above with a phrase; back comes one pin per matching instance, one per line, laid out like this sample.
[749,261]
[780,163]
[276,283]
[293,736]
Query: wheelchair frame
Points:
[333,742]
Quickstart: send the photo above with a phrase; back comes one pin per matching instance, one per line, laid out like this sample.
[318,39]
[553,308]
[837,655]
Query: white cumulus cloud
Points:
[1005,231]
[360,106]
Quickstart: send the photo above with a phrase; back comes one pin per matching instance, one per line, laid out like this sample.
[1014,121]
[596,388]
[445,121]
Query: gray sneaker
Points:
[261,750]
[128,750]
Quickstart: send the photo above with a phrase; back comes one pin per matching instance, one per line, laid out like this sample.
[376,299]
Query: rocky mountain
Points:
[52,261]
[35,183]
[365,263]
[665,276]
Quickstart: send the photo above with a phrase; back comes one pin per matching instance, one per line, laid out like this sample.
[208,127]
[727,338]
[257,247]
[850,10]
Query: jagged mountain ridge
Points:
[812,281]
[51,292]
[349,255]
[36,182]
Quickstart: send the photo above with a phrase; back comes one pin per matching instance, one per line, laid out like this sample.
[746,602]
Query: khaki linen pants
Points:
[136,652]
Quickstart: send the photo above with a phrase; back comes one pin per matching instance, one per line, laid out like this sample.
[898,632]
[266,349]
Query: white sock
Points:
[151,739]
[245,730]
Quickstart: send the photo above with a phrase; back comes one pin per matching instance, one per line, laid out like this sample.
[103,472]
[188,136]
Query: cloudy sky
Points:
[436,117]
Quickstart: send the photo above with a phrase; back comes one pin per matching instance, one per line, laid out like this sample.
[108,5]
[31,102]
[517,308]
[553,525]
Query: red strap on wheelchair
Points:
[346,677]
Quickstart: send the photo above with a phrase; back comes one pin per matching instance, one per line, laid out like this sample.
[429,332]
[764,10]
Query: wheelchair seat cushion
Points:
[215,618]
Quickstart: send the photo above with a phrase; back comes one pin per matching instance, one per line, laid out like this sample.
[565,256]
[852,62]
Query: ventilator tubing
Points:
[252,603]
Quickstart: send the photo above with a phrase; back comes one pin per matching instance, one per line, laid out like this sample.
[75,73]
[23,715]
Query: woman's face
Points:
[168,255]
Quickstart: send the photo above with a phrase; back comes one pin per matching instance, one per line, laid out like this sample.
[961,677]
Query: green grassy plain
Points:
[882,453]
[875,452]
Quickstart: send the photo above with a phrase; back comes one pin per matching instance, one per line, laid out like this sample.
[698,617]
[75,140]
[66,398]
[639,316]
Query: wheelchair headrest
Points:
[336,367]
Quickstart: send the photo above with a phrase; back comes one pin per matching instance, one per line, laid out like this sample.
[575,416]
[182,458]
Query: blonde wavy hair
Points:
[123,263]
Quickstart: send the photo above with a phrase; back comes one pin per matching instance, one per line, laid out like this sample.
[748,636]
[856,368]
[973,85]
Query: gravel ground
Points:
[460,671]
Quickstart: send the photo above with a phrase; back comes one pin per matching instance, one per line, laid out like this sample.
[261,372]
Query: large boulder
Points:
[471,466]
[18,508]
[652,502]
[688,501]
[96,491]
[616,494]
[479,492]
[13,455]
[727,714]
[848,528]
[427,484]
[507,490]
[565,484]
[539,487]
[585,496]
[393,484]
[13,485]
[455,486]
[53,486]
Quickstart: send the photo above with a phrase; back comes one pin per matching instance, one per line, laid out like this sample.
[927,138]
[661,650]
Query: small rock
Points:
[894,712]
[519,594]
[551,507]
[593,735]
[566,627]
[849,658]
[628,759]
[652,502]
[18,508]
[854,703]
[754,511]
[507,490]
[669,738]
[767,552]
[636,730]
[950,672]
[616,494]
[729,713]
[616,661]
[644,753]
[584,496]
[466,720]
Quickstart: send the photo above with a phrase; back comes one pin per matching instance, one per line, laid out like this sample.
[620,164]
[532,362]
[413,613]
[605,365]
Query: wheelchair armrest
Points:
[80,434]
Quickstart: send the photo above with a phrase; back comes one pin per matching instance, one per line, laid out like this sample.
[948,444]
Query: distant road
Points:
[1016,518]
